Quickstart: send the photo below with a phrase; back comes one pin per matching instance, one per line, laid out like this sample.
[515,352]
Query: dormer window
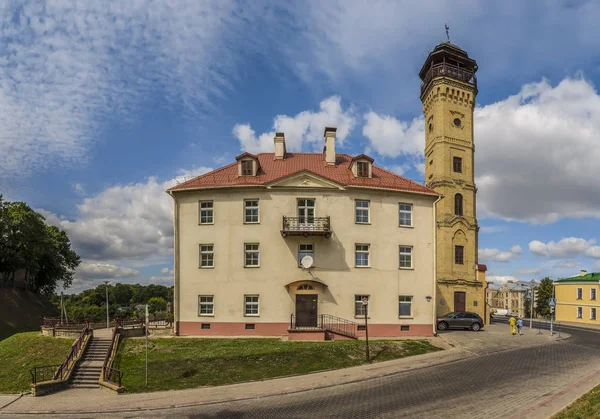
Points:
[362,166]
[362,169]
[248,164]
[246,167]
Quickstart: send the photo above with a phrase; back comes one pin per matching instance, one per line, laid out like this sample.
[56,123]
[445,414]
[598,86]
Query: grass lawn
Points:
[586,407]
[194,362]
[22,351]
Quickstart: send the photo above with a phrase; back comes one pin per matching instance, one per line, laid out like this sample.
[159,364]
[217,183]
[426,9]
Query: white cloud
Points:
[162,280]
[68,67]
[392,138]
[166,271]
[79,189]
[104,271]
[567,264]
[528,271]
[565,248]
[124,222]
[306,127]
[501,280]
[499,256]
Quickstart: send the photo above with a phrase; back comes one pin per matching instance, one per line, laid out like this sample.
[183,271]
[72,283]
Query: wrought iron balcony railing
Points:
[444,69]
[306,226]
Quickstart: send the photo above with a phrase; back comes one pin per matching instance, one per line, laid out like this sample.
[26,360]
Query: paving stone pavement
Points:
[525,382]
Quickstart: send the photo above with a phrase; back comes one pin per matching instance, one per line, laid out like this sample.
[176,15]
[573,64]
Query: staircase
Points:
[331,325]
[87,371]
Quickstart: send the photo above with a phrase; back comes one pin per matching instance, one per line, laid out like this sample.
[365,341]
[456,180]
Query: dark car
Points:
[462,320]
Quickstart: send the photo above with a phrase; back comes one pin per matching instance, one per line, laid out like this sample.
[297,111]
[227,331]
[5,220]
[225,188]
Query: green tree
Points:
[543,294]
[157,304]
[121,294]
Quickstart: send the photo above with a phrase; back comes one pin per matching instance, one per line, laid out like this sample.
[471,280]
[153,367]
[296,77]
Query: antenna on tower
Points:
[447,31]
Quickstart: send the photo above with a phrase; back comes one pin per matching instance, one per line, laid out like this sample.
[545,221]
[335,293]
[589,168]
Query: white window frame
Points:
[305,252]
[402,301]
[207,252]
[251,303]
[210,209]
[401,253]
[246,208]
[358,209]
[362,251]
[247,251]
[206,303]
[579,294]
[593,294]
[405,211]
[359,308]
[595,315]
[580,312]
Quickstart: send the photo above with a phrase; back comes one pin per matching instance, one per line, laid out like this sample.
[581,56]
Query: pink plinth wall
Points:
[281,329]
[318,335]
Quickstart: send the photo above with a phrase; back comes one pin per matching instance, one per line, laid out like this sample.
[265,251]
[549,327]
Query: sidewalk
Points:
[465,344]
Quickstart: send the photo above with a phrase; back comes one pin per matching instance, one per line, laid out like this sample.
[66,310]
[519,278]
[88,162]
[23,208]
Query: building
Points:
[577,298]
[511,296]
[448,92]
[243,231]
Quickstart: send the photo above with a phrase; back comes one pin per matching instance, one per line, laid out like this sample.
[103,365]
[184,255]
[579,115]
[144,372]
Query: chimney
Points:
[583,273]
[279,141]
[330,145]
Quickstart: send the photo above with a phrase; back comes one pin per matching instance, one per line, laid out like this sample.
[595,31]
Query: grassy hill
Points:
[22,311]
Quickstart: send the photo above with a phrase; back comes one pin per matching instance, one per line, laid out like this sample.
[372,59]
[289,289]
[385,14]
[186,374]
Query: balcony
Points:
[444,69]
[306,226]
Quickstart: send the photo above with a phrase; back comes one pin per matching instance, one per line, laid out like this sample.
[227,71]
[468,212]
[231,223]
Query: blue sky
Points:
[103,104]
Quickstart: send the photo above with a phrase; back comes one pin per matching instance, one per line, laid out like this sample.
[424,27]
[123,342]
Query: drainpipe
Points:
[176,296]
[435,264]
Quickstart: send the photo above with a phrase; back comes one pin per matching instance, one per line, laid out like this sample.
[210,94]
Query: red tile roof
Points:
[481,267]
[273,169]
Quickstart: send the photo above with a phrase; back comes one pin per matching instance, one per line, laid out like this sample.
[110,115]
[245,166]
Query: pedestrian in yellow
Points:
[513,325]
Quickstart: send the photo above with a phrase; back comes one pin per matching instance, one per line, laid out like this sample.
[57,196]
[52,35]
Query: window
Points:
[592,313]
[362,212]
[251,254]
[205,326]
[305,250]
[359,308]
[405,215]
[592,293]
[405,257]
[251,211]
[361,328]
[457,164]
[206,305]
[404,328]
[304,287]
[250,326]
[405,306]
[246,167]
[207,256]
[579,312]
[580,293]
[459,255]
[206,212]
[458,204]
[251,305]
[361,256]
[306,211]
[362,169]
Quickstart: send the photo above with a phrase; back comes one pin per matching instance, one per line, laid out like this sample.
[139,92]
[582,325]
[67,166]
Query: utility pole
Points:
[365,302]
[146,345]
[107,318]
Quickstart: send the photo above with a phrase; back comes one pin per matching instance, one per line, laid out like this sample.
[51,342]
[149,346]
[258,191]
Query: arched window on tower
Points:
[458,204]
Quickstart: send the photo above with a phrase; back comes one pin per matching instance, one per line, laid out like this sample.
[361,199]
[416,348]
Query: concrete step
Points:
[84,385]
[83,373]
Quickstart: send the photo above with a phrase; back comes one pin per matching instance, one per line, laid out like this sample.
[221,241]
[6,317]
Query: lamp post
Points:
[528,298]
[365,302]
[107,318]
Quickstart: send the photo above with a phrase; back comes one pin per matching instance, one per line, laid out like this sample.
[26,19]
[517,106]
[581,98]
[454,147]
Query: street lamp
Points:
[365,302]
[107,318]
[528,298]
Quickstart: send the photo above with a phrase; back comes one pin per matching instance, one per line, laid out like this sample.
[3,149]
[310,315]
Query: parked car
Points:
[460,320]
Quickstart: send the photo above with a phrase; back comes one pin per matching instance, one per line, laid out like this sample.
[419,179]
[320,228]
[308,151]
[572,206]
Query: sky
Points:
[103,105]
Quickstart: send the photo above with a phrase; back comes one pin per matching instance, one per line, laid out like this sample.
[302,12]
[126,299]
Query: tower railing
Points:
[445,69]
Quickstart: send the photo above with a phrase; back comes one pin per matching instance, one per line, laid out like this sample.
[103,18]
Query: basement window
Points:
[205,326]
[404,328]
[250,326]
[362,327]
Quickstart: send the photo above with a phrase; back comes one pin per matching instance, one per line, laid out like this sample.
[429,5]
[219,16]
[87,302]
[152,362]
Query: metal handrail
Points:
[326,322]
[43,373]
[320,224]
[71,357]
[446,69]
[107,370]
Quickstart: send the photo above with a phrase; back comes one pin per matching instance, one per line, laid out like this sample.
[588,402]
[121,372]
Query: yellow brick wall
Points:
[567,302]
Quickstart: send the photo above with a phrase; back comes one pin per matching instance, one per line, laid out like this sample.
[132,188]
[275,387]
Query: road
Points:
[504,384]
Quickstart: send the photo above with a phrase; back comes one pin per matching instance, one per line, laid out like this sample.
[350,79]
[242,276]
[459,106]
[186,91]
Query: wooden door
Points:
[460,301]
[306,310]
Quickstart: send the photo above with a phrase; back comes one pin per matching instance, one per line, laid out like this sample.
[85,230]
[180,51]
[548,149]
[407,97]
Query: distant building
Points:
[511,296]
[577,298]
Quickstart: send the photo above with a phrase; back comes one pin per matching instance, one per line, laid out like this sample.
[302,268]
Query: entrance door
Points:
[460,301]
[306,310]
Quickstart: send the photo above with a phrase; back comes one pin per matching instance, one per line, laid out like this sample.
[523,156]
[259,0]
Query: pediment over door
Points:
[305,180]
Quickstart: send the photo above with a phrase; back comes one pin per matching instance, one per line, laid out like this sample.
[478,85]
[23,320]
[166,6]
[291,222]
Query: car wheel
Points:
[442,326]
[475,327]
